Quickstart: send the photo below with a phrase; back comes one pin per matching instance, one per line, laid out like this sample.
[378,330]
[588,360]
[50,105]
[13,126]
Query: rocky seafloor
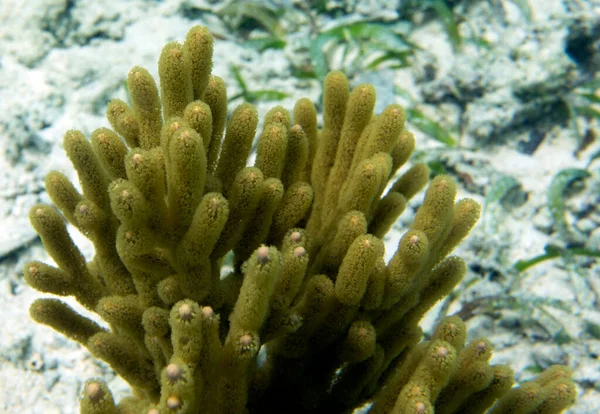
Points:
[502,93]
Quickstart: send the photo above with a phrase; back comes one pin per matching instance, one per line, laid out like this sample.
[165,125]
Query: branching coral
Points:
[311,318]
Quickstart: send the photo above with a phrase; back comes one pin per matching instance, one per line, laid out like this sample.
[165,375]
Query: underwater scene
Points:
[285,206]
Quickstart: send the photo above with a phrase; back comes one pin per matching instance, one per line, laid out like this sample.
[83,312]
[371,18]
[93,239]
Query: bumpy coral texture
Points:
[229,288]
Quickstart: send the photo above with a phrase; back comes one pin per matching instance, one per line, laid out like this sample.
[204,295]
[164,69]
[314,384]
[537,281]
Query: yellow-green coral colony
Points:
[167,194]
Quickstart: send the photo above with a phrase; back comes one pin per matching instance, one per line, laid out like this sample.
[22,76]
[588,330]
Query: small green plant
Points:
[554,252]
[556,200]
[424,123]
[448,19]
[238,13]
[584,101]
[254,96]
[242,17]
[364,46]
[529,307]
[266,42]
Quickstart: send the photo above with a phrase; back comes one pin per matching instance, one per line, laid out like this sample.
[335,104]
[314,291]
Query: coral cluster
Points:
[309,317]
